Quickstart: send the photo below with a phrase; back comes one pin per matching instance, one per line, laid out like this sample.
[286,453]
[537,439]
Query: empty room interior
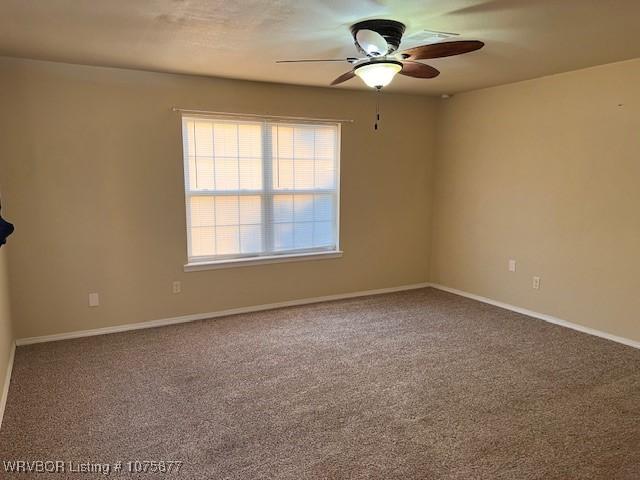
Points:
[320,240]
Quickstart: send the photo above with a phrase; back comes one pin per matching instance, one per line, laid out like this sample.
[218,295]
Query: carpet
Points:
[413,385]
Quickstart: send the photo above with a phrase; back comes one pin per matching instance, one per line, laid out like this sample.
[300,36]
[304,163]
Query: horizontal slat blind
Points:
[259,188]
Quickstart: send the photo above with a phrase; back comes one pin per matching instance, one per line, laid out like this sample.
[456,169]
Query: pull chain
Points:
[375,126]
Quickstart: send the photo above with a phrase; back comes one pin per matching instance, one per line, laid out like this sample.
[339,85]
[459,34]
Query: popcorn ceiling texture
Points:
[420,384]
[244,38]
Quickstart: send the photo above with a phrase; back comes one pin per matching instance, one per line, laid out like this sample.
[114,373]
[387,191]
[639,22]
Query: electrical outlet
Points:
[176,287]
[512,265]
[94,299]
[536,283]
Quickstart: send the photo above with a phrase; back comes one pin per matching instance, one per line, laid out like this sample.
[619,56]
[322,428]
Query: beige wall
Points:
[543,171]
[546,172]
[92,177]
[6,334]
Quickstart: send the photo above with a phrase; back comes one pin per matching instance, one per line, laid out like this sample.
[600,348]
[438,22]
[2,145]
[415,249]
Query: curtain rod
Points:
[250,115]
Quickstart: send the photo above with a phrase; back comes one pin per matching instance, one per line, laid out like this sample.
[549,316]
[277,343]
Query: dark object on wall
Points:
[6,229]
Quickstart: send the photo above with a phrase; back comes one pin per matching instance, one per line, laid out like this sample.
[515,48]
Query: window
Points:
[260,189]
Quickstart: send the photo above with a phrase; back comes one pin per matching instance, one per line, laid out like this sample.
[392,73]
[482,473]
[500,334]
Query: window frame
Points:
[267,255]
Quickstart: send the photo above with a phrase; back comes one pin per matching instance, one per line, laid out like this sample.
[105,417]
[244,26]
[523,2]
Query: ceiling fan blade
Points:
[348,59]
[344,77]
[418,70]
[442,49]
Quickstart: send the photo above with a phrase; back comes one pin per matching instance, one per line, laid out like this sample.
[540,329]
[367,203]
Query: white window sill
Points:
[246,262]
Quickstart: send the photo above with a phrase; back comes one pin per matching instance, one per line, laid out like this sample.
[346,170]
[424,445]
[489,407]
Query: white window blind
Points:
[260,188]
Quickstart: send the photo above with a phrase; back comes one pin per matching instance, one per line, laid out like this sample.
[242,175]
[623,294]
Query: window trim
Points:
[262,260]
[234,260]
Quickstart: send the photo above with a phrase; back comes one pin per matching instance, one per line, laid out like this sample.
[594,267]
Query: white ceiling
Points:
[242,38]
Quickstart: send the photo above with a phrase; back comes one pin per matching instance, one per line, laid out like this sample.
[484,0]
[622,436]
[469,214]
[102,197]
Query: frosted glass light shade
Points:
[378,74]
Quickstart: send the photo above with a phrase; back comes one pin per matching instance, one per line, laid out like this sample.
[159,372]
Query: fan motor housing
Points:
[391,30]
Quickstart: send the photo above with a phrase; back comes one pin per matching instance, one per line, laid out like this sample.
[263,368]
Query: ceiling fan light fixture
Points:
[378,74]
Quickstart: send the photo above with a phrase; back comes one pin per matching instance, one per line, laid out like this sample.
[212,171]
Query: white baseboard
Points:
[306,301]
[7,380]
[541,316]
[205,316]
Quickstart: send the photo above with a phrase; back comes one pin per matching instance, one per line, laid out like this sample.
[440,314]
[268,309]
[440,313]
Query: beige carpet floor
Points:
[420,384]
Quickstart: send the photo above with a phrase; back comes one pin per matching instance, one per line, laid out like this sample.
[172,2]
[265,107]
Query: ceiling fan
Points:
[378,41]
